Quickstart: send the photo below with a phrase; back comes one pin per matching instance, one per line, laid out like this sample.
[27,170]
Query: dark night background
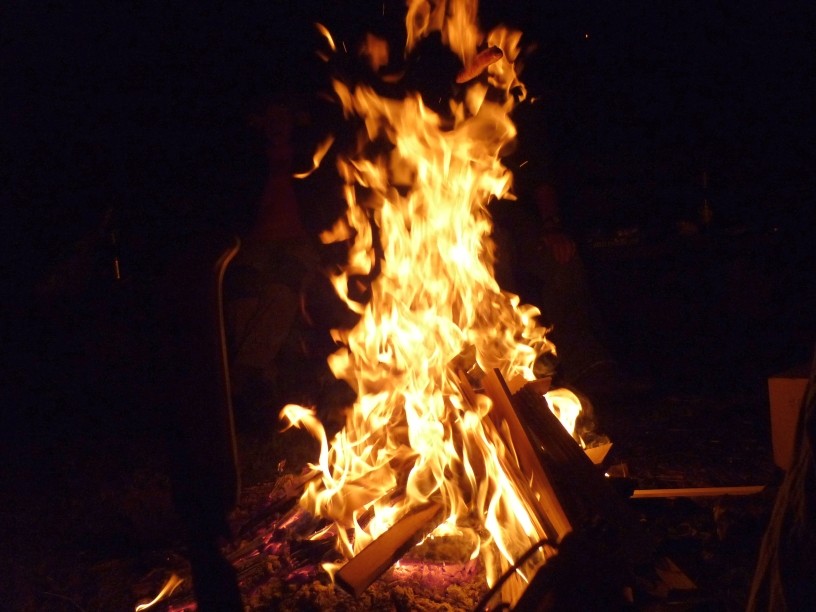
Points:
[132,108]
[134,119]
[139,112]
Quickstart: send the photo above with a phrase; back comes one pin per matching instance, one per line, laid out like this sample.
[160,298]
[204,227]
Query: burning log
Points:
[579,488]
[537,492]
[503,412]
[479,64]
[367,565]
[370,563]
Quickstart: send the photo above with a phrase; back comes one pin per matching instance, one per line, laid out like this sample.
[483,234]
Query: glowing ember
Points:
[417,210]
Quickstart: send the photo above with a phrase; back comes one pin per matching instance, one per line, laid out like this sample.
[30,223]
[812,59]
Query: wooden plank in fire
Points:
[597,453]
[580,487]
[529,461]
[368,564]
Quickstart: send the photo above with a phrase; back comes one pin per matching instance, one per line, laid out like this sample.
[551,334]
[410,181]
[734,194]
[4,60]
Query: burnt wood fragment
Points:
[367,565]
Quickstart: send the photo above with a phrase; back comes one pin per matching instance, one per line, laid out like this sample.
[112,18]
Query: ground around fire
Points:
[88,522]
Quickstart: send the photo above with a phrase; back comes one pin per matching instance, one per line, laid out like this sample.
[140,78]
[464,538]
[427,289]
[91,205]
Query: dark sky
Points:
[135,103]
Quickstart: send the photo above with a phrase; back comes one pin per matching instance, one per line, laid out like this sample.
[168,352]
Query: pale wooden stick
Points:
[528,460]
[536,500]
[368,564]
[697,492]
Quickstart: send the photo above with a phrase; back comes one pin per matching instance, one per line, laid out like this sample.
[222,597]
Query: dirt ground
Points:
[89,524]
[88,521]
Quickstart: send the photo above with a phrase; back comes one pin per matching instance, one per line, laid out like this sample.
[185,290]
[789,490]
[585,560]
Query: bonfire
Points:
[418,184]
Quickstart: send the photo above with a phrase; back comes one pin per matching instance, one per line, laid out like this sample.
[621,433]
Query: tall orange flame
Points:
[434,308]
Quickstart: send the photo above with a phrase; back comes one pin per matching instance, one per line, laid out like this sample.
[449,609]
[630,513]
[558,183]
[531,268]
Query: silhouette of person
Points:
[539,260]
